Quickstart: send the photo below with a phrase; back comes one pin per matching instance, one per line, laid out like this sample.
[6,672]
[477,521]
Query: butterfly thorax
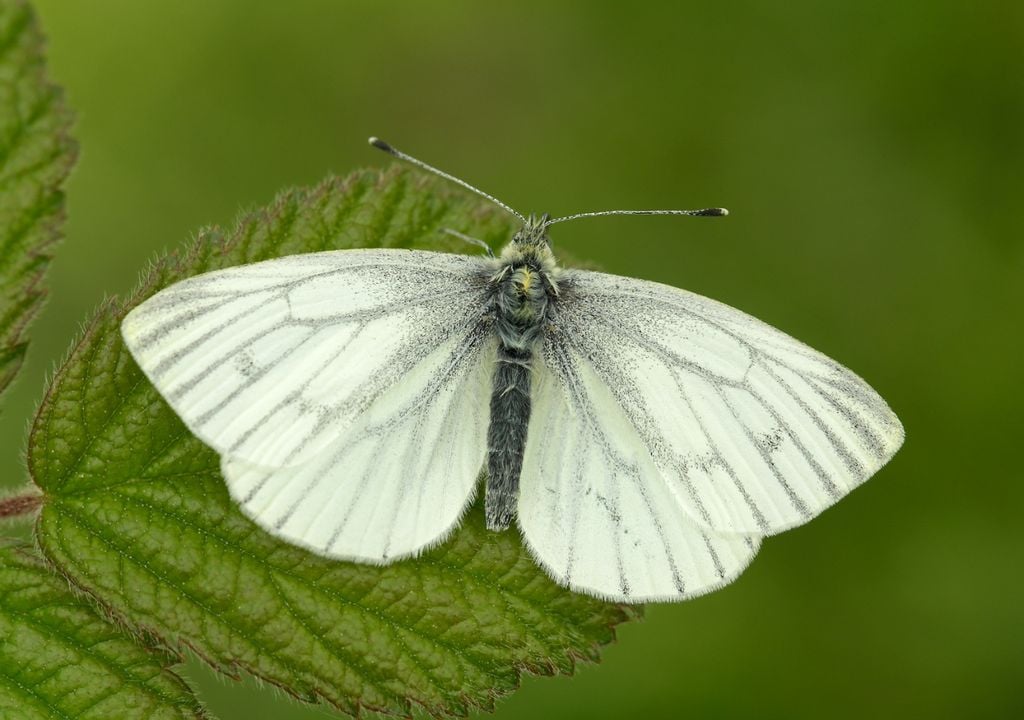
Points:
[524,286]
[525,281]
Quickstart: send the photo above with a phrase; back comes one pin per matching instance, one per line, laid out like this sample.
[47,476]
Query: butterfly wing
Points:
[595,510]
[756,431]
[394,483]
[670,432]
[347,391]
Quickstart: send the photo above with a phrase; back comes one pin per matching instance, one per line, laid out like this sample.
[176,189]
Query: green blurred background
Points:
[872,154]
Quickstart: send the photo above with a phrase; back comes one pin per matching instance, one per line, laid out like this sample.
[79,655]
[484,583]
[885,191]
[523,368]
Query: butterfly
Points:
[644,438]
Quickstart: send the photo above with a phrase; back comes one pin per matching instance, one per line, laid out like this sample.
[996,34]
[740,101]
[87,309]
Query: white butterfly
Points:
[645,437]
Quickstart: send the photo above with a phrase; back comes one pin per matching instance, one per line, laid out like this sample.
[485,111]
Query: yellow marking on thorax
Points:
[527,280]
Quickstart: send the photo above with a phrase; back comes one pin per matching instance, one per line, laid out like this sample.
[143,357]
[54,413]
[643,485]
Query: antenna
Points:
[703,212]
[394,152]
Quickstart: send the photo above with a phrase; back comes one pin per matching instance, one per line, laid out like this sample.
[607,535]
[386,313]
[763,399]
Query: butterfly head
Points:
[531,245]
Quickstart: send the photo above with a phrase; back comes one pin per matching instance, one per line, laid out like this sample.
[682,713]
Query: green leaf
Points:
[136,512]
[59,659]
[36,154]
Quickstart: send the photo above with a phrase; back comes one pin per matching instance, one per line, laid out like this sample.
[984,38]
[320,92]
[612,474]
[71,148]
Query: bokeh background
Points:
[872,154]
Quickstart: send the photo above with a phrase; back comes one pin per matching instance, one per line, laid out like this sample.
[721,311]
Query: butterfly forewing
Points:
[754,431]
[269,362]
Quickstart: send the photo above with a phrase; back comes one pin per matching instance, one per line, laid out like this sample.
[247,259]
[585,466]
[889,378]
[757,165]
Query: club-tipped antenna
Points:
[395,152]
[702,212]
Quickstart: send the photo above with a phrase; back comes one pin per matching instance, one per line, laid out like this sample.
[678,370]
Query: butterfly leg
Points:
[470,239]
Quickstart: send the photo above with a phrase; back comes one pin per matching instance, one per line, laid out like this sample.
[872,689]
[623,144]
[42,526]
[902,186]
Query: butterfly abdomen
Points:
[506,437]
[523,291]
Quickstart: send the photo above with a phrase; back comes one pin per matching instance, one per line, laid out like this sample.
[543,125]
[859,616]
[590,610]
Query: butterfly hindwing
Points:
[395,482]
[593,507]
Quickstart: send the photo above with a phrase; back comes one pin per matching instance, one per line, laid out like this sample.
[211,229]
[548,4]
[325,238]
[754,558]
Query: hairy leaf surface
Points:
[60,659]
[36,154]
